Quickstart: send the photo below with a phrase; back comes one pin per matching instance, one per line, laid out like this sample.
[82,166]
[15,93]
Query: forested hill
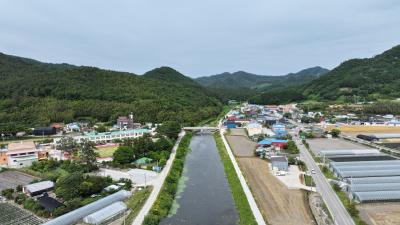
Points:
[243,79]
[35,94]
[366,79]
[359,79]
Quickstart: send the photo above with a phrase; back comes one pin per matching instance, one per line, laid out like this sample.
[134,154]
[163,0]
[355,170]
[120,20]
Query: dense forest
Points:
[36,94]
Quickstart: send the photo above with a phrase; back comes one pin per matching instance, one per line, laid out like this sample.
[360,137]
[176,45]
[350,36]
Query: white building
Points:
[254,128]
[21,154]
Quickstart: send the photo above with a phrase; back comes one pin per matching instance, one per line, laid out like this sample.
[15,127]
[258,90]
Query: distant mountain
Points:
[366,79]
[33,93]
[243,79]
[369,79]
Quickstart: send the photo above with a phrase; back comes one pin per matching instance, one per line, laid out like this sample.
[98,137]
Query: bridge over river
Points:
[201,128]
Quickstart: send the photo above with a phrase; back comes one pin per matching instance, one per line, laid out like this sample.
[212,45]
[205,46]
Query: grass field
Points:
[364,128]
[107,151]
[242,205]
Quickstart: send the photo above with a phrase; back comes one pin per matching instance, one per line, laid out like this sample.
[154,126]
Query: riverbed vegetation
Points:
[163,204]
[242,205]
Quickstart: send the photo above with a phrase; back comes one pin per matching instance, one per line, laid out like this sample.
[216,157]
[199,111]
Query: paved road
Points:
[335,206]
[158,184]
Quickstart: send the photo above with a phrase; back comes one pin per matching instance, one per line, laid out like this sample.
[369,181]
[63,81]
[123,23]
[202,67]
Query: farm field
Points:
[279,205]
[11,179]
[12,215]
[380,213]
[238,131]
[241,146]
[366,129]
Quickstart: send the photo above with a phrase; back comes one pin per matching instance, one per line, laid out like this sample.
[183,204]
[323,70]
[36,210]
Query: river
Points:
[204,196]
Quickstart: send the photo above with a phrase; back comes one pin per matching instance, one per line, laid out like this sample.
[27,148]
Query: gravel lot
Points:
[11,179]
[320,144]
[380,213]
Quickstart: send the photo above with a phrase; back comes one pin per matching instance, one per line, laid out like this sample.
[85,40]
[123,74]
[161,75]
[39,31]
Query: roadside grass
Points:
[165,198]
[106,151]
[136,202]
[246,216]
[308,180]
[350,207]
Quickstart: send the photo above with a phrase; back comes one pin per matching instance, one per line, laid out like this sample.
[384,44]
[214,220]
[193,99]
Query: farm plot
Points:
[12,215]
[279,205]
[241,146]
[238,131]
[366,128]
[11,179]
[380,213]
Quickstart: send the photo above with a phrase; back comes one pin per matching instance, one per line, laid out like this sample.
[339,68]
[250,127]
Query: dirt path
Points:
[279,205]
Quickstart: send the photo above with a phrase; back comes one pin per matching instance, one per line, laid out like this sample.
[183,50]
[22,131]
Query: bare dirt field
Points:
[279,205]
[320,144]
[380,213]
[11,179]
[366,128]
[241,146]
[238,131]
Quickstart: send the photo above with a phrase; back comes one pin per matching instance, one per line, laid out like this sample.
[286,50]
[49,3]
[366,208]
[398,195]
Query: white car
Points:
[313,171]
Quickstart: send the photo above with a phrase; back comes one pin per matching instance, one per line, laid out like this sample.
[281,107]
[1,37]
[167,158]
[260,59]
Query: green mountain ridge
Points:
[368,79]
[242,79]
[33,93]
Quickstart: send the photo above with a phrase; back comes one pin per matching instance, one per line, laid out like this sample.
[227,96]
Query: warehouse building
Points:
[279,163]
[38,188]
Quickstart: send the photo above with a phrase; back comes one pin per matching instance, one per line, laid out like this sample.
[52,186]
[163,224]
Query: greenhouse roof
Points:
[379,162]
[376,173]
[375,187]
[105,213]
[373,180]
[377,196]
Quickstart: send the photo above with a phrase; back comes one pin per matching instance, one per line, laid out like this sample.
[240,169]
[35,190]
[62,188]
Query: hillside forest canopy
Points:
[36,94]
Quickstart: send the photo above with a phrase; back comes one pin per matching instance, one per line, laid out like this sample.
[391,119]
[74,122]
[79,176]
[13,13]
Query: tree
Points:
[170,129]
[67,186]
[163,144]
[101,129]
[87,152]
[123,155]
[335,133]
[287,115]
[67,144]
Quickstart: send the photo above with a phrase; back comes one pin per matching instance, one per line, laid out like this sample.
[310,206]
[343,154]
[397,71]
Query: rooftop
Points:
[39,186]
[18,146]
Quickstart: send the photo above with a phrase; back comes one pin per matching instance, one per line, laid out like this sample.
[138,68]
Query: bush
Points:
[8,193]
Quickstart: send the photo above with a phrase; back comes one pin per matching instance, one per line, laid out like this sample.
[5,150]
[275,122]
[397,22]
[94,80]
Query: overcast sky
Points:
[199,37]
